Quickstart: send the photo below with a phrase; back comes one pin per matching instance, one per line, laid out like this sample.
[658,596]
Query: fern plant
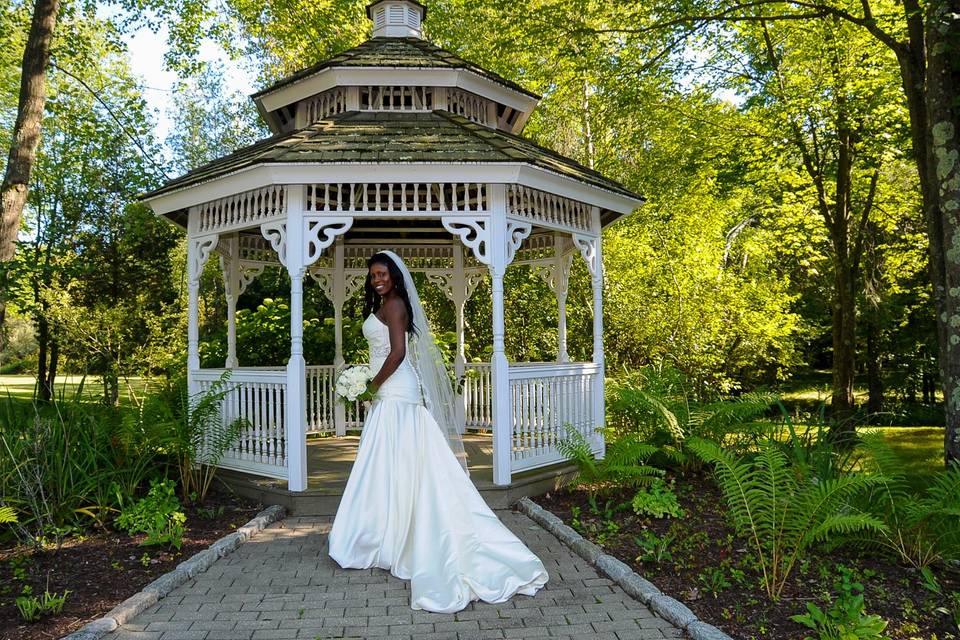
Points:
[625,462]
[195,430]
[780,509]
[922,529]
[663,412]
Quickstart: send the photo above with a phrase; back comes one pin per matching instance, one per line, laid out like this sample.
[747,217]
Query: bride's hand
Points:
[368,393]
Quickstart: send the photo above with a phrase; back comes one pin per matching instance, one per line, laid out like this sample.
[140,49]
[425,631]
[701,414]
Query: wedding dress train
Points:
[409,507]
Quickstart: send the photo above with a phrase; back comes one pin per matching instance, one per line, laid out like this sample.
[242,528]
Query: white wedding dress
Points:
[409,507]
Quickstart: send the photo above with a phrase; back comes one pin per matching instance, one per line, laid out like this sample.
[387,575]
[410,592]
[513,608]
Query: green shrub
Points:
[158,515]
[657,500]
[783,510]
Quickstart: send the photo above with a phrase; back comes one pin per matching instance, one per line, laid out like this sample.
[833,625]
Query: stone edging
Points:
[159,588]
[646,592]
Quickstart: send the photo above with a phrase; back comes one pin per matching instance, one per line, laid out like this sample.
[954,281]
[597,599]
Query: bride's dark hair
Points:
[372,300]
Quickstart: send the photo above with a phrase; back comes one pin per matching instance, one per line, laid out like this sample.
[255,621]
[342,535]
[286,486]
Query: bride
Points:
[409,504]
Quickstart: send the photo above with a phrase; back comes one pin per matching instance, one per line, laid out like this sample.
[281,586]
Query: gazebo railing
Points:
[259,397]
[544,399]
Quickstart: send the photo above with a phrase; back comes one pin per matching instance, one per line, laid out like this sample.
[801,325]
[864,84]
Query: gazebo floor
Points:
[330,458]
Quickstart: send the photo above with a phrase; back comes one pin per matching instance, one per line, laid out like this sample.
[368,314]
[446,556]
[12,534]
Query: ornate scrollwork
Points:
[202,248]
[248,273]
[517,232]
[588,249]
[276,233]
[319,232]
[556,274]
[325,281]
[354,282]
[473,233]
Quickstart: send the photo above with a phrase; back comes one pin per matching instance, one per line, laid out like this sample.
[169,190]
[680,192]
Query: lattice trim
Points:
[329,103]
[548,210]
[470,106]
[397,197]
[244,209]
[396,98]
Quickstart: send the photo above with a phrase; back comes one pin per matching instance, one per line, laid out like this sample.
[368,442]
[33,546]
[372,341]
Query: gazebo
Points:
[397,144]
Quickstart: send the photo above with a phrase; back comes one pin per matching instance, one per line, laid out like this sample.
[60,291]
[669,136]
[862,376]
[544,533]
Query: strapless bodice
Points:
[403,383]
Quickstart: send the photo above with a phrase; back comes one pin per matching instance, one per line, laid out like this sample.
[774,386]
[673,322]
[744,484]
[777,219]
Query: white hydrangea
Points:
[352,382]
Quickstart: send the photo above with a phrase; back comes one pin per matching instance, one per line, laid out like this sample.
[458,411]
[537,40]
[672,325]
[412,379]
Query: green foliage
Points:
[158,515]
[624,463]
[654,548]
[922,528]
[69,461]
[846,618]
[193,430]
[660,406]
[783,510]
[8,515]
[32,608]
[263,338]
[657,500]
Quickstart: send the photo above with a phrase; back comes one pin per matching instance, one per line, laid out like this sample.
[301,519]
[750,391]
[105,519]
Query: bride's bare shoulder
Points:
[395,311]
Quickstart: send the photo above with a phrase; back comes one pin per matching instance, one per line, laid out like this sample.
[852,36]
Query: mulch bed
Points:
[105,568]
[705,542]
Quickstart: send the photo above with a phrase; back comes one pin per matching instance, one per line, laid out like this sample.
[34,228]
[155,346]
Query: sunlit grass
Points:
[23,387]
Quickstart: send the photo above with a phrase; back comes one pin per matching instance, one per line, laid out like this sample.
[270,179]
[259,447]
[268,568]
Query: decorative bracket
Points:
[556,274]
[325,280]
[517,232]
[276,233]
[473,233]
[588,249]
[319,232]
[202,247]
[447,284]
[248,273]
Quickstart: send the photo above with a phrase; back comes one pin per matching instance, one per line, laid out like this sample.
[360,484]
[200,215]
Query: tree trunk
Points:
[43,341]
[943,113]
[26,131]
[844,347]
[874,369]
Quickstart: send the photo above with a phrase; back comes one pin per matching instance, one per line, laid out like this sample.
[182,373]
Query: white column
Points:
[193,303]
[339,290]
[230,265]
[598,358]
[561,268]
[459,289]
[500,368]
[296,414]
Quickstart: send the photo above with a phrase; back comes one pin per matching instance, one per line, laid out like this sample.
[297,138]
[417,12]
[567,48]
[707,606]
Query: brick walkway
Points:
[282,584]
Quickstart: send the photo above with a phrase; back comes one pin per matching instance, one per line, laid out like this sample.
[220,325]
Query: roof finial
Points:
[397,18]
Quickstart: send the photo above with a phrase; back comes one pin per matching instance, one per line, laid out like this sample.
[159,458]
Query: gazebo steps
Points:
[330,460]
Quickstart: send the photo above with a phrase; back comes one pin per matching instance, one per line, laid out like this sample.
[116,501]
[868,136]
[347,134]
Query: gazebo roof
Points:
[411,53]
[400,137]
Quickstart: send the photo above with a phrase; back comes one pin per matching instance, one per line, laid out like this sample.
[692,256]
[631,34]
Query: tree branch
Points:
[115,118]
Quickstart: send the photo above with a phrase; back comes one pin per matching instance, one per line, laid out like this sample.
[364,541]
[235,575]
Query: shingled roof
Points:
[402,137]
[411,53]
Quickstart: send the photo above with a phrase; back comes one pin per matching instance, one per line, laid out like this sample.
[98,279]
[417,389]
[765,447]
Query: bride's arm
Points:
[396,320]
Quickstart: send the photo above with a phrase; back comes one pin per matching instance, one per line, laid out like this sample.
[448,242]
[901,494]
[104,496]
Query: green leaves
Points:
[782,509]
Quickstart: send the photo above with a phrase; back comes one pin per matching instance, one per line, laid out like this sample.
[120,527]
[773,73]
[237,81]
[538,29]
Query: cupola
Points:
[397,18]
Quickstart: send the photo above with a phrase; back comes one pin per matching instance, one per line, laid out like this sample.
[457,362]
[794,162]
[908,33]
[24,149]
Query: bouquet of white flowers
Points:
[352,382]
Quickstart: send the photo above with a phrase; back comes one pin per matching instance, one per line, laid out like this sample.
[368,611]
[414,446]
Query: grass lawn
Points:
[21,387]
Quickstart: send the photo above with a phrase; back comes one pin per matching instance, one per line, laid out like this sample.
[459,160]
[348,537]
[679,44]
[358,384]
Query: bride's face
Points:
[380,279]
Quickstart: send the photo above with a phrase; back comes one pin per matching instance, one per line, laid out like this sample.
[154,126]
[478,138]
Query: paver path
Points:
[282,584]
